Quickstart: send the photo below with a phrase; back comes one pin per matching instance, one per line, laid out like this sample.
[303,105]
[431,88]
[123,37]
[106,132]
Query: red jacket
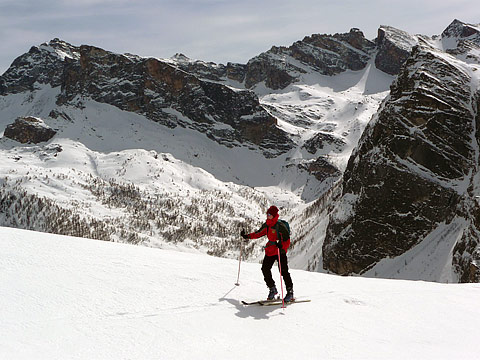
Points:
[274,233]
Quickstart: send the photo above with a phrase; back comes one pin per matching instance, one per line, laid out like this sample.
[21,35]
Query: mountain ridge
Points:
[279,129]
[420,154]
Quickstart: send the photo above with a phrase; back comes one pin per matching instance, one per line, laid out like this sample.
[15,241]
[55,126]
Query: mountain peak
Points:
[394,47]
[181,57]
[460,29]
[59,43]
[60,49]
[401,38]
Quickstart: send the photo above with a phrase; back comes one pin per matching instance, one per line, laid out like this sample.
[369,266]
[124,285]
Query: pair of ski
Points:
[273,302]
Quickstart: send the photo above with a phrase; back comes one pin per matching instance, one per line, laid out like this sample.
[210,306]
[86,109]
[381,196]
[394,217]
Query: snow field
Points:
[64,297]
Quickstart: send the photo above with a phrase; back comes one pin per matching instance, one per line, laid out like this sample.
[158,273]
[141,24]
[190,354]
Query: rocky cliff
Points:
[210,70]
[415,170]
[330,55]
[320,53]
[326,54]
[394,47]
[151,87]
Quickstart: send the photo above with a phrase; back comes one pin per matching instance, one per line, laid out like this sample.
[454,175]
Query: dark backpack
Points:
[286,226]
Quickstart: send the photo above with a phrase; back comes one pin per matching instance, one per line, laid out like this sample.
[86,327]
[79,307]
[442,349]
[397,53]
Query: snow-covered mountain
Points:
[410,196]
[173,151]
[70,298]
[180,153]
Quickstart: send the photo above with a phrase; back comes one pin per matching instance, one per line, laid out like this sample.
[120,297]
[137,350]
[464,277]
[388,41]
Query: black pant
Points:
[267,264]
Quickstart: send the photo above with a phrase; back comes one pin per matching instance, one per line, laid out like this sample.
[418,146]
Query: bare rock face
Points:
[333,54]
[462,40]
[324,140]
[394,47]
[326,54]
[29,130]
[322,169]
[151,87]
[408,173]
[466,253]
[41,65]
[210,70]
[269,68]
[460,30]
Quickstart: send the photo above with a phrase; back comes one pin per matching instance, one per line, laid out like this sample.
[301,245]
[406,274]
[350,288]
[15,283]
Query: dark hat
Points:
[272,210]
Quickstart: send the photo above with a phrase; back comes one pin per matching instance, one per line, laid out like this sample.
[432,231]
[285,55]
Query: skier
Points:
[278,239]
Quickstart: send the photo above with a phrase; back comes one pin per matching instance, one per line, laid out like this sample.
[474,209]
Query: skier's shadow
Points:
[254,311]
[257,312]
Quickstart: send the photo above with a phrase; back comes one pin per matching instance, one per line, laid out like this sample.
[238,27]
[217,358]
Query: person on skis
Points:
[278,239]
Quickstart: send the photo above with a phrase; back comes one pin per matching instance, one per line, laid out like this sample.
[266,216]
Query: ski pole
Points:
[239,262]
[281,282]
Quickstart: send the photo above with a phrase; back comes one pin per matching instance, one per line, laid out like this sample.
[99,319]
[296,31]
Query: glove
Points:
[279,244]
[243,234]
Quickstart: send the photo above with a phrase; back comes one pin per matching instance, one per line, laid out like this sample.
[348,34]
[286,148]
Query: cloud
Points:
[213,30]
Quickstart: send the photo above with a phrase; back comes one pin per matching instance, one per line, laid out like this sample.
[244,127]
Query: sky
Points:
[211,30]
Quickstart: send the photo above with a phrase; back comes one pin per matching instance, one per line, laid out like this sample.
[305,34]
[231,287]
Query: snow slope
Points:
[70,298]
[430,260]
[179,166]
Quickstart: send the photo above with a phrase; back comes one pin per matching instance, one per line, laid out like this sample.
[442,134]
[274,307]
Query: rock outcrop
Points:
[323,140]
[326,54]
[463,41]
[41,65]
[394,47]
[29,130]
[322,169]
[414,171]
[210,70]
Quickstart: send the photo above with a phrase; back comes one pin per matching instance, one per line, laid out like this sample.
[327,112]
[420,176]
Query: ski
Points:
[272,303]
[261,302]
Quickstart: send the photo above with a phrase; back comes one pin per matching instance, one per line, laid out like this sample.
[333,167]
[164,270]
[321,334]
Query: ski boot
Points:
[272,293]
[289,297]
